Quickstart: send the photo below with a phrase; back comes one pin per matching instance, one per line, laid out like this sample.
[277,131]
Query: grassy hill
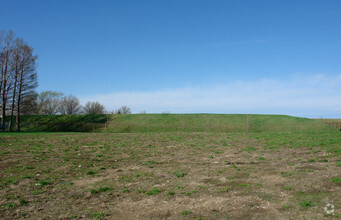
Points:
[336,123]
[212,123]
[142,123]
[61,123]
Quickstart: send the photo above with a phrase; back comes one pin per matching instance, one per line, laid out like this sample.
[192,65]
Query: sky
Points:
[187,56]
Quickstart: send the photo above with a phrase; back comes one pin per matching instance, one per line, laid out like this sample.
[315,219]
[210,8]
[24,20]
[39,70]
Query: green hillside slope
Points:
[61,123]
[142,123]
[211,123]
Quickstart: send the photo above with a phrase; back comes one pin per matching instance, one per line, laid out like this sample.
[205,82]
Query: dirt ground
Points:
[170,176]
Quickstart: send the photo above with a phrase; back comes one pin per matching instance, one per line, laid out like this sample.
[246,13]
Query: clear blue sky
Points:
[228,56]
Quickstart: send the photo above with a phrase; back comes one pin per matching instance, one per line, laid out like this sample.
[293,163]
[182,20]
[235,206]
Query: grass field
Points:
[177,175]
[329,120]
[336,123]
[211,123]
[144,123]
[60,123]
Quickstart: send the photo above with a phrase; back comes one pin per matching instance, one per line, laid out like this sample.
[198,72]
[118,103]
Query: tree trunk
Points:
[19,98]
[3,107]
[18,117]
[13,99]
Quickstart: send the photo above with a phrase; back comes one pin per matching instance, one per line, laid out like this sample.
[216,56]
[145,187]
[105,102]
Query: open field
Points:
[211,123]
[175,175]
[144,123]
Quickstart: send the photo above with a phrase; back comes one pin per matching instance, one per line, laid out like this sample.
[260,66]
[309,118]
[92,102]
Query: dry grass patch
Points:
[170,176]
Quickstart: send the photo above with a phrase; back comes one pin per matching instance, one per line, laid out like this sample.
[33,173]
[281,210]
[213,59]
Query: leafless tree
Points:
[29,105]
[69,105]
[93,108]
[18,77]
[25,77]
[123,110]
[6,54]
[48,102]
[15,68]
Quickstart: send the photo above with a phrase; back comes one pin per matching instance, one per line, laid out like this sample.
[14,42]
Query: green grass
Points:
[44,183]
[84,174]
[336,179]
[287,187]
[305,203]
[22,201]
[62,123]
[154,191]
[143,123]
[179,173]
[170,193]
[212,123]
[99,190]
[98,215]
[186,212]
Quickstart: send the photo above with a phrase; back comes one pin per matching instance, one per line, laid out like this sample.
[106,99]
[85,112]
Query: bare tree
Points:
[27,77]
[24,78]
[18,77]
[93,108]
[29,105]
[6,53]
[48,102]
[15,69]
[123,110]
[69,105]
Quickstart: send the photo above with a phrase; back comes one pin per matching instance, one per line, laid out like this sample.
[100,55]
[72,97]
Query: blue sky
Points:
[182,56]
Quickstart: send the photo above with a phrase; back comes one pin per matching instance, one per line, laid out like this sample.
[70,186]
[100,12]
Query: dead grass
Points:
[170,176]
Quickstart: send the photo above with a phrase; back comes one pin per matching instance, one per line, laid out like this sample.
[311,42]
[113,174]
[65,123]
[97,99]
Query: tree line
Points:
[18,83]
[54,103]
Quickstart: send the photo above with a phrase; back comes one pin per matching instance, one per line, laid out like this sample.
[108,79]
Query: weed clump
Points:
[9,205]
[170,193]
[179,173]
[99,190]
[224,189]
[91,173]
[44,183]
[154,191]
[22,201]
[249,149]
[186,212]
[98,215]
[287,187]
[306,204]
[336,180]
